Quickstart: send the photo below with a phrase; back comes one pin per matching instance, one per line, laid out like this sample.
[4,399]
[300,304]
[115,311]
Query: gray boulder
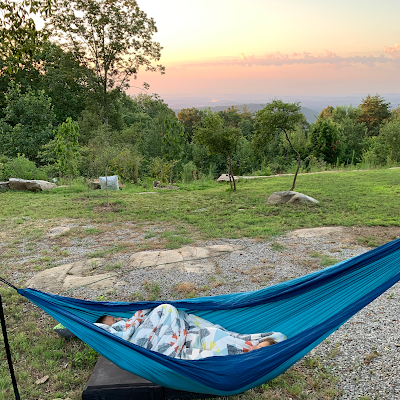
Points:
[4,185]
[31,185]
[290,197]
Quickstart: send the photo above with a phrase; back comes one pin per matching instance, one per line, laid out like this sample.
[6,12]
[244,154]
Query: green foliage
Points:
[218,138]
[20,167]
[374,111]
[189,172]
[274,118]
[114,36]
[326,140]
[27,124]
[160,169]
[67,148]
[390,133]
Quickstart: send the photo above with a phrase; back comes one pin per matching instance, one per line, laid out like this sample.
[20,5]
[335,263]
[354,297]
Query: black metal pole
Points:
[8,352]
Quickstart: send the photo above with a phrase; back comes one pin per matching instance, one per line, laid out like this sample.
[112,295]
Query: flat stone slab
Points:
[188,258]
[100,281]
[58,230]
[315,232]
[69,276]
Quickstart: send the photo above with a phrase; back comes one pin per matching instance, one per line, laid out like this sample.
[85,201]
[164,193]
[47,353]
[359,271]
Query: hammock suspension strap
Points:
[7,283]
[8,352]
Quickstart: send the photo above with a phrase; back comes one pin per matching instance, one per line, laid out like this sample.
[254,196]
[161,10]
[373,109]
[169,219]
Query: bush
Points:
[189,172]
[21,167]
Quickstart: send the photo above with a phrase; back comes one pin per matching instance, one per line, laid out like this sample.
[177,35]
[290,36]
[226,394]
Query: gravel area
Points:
[364,354]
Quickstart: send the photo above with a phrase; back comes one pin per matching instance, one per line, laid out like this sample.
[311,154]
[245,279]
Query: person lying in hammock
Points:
[175,333]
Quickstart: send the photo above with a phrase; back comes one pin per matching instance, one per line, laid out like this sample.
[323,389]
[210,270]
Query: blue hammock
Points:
[306,309]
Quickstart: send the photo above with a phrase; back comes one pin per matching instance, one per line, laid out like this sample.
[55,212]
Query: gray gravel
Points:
[364,353]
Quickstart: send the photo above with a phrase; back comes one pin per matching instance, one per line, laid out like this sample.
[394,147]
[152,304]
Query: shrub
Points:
[188,172]
[21,167]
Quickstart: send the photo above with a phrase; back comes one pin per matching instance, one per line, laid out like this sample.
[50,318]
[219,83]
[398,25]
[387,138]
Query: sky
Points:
[275,47]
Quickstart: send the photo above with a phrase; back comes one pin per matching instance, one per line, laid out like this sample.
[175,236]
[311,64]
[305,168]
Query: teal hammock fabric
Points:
[307,309]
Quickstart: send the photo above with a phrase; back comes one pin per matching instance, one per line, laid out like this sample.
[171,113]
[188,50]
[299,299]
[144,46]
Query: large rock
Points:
[225,178]
[290,197]
[31,185]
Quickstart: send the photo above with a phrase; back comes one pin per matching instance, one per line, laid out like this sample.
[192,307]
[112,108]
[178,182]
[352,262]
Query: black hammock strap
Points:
[7,283]
[6,344]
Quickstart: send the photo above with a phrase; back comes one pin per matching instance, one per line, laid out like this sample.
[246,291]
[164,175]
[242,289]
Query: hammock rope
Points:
[306,309]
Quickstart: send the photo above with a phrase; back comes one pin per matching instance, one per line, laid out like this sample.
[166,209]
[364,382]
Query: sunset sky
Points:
[276,47]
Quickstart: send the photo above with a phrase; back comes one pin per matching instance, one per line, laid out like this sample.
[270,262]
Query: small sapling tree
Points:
[218,139]
[67,148]
[276,117]
[173,142]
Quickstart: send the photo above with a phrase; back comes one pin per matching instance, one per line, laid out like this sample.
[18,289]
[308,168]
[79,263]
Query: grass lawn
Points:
[199,211]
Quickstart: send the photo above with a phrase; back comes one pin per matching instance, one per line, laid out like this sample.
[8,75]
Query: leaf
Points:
[42,380]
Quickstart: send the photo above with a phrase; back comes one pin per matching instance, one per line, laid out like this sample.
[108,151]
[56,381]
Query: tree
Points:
[173,141]
[190,118]
[374,111]
[114,37]
[276,117]
[326,140]
[19,36]
[218,139]
[67,148]
[28,123]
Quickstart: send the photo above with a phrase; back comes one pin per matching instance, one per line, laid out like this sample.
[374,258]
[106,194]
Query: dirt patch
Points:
[372,236]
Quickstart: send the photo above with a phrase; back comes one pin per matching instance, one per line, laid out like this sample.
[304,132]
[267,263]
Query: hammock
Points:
[307,309]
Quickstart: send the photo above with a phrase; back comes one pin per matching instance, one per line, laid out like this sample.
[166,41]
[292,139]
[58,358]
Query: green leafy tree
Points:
[67,148]
[218,139]
[190,118]
[391,134]
[274,118]
[19,36]
[374,112]
[173,142]
[113,37]
[326,140]
[28,123]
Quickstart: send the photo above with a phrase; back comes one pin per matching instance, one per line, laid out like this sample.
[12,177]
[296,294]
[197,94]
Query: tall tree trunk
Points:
[298,160]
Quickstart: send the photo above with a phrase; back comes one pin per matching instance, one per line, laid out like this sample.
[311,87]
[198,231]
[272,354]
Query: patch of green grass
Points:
[153,290]
[105,252]
[112,267]
[338,193]
[93,231]
[315,254]
[38,351]
[175,239]
[369,241]
[278,247]
[326,261]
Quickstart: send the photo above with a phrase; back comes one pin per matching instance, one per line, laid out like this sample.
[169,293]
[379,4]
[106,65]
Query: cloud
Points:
[328,58]
[393,51]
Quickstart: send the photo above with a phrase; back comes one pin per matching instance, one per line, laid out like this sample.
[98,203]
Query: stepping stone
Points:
[188,258]
[109,382]
[315,232]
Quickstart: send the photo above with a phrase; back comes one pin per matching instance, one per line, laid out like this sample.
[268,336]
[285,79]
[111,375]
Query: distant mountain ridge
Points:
[311,115]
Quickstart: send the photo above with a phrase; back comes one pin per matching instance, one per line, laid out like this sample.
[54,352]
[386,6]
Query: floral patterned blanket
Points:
[175,333]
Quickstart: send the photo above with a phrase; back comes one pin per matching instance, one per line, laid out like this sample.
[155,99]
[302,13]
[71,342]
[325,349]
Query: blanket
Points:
[175,333]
